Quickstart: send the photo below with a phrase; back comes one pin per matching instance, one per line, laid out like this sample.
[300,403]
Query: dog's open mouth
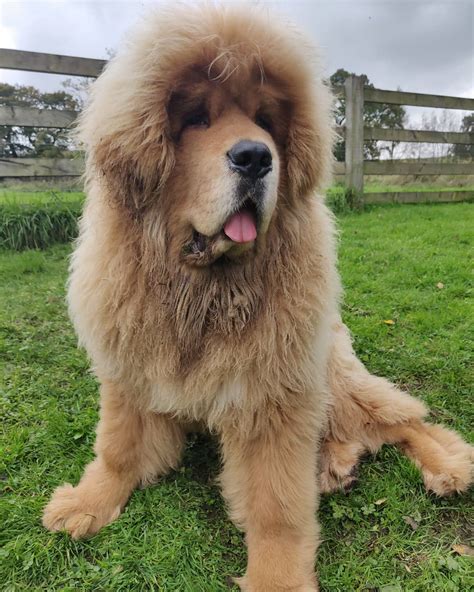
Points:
[241,227]
[236,236]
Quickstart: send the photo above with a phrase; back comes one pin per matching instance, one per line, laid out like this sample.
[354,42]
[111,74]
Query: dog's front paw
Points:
[72,510]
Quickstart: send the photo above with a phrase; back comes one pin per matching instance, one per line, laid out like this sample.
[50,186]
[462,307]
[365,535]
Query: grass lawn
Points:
[13,196]
[409,264]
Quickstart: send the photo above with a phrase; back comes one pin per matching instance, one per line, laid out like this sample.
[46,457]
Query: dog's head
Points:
[211,120]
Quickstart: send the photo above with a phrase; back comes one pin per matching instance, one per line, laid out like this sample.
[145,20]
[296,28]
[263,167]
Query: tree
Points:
[438,120]
[33,141]
[465,150]
[14,141]
[375,115]
[78,87]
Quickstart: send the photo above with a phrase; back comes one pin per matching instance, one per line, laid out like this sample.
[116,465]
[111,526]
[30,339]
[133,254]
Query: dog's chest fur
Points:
[188,346]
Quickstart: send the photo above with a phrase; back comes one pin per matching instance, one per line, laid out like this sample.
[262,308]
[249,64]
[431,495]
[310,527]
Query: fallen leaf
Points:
[451,563]
[440,285]
[416,516]
[464,550]
[407,568]
[411,522]
[381,501]
[389,322]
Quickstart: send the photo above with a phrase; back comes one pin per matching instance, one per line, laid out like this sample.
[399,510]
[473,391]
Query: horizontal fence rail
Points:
[409,197]
[41,167]
[27,116]
[398,97]
[394,167]
[408,135]
[32,61]
[355,133]
[397,167]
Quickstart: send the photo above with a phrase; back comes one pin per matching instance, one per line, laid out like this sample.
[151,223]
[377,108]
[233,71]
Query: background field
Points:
[408,264]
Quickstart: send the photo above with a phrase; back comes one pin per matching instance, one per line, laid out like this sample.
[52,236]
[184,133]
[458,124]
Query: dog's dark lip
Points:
[198,242]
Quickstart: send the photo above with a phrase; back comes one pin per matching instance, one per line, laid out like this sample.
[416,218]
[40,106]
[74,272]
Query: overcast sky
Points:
[417,45]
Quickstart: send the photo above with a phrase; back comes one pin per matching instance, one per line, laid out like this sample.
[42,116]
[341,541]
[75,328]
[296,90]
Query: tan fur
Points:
[368,411]
[253,348]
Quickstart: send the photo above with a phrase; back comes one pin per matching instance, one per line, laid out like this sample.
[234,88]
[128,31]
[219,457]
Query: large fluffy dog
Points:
[204,288]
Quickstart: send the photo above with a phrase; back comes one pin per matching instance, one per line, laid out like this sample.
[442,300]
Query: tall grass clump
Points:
[37,226]
[338,199]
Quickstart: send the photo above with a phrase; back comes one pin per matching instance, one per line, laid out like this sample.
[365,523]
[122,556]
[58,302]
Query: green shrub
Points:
[37,226]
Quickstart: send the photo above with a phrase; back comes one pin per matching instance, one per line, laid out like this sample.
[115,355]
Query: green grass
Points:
[36,226]
[21,196]
[38,219]
[176,536]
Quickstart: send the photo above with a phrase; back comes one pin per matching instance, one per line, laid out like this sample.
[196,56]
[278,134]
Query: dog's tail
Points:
[368,411]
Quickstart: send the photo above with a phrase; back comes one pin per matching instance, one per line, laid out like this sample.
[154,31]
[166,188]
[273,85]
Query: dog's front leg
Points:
[131,448]
[270,485]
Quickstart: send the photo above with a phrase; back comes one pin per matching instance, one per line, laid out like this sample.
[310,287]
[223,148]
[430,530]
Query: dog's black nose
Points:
[250,159]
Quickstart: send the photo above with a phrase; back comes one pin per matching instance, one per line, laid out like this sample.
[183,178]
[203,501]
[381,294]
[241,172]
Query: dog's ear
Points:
[309,143]
[134,166]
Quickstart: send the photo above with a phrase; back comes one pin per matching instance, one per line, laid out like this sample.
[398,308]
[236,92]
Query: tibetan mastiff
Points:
[204,288]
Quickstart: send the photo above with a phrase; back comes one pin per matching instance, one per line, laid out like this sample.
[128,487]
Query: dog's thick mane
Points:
[142,314]
[231,300]
[199,311]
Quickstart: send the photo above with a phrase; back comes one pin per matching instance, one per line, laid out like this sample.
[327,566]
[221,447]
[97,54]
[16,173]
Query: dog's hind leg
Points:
[445,460]
[368,411]
[131,448]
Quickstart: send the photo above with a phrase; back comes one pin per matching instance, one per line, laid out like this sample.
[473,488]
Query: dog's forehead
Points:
[241,87]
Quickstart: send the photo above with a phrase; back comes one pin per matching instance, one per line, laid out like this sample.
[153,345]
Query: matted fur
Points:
[245,340]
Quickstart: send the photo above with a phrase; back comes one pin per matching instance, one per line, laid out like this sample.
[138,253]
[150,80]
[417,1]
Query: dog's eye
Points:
[264,122]
[196,119]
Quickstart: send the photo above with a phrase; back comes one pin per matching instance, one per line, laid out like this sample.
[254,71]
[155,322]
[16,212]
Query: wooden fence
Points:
[355,133]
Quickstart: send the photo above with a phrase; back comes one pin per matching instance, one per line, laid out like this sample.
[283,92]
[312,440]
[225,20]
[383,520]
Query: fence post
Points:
[354,91]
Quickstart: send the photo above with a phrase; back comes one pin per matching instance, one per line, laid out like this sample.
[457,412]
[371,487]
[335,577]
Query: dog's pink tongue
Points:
[241,227]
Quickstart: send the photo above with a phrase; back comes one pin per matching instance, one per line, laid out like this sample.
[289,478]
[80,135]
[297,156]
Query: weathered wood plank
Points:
[27,116]
[32,61]
[354,154]
[395,97]
[418,197]
[395,167]
[24,167]
[402,135]
[41,167]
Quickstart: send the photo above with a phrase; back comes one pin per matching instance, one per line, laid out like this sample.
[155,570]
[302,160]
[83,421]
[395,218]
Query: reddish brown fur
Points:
[253,348]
